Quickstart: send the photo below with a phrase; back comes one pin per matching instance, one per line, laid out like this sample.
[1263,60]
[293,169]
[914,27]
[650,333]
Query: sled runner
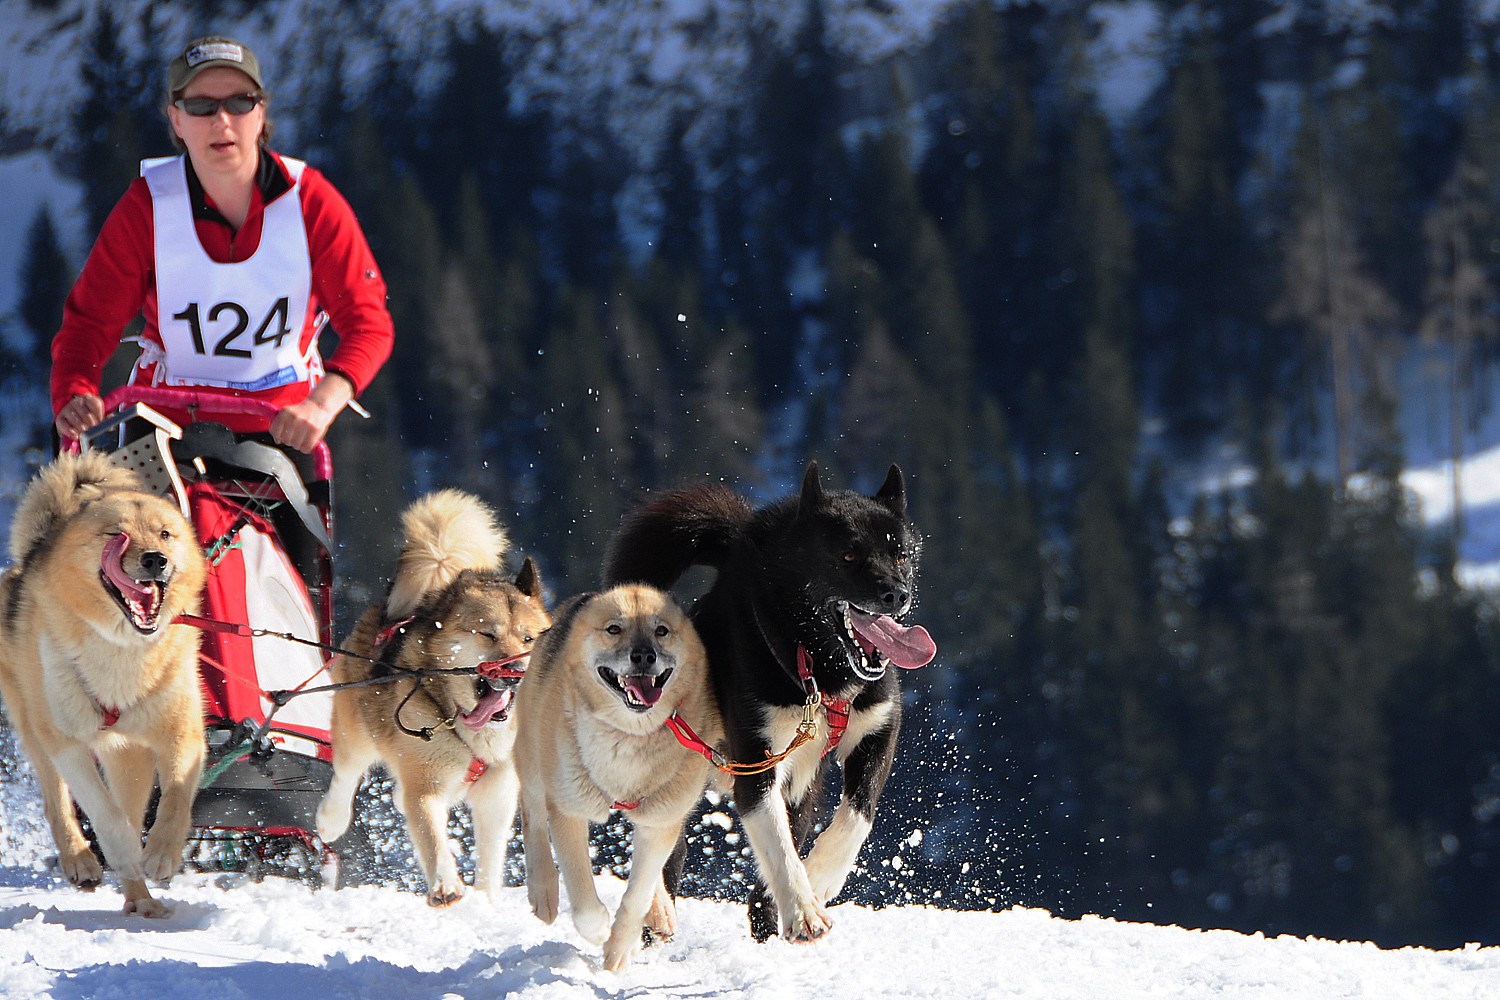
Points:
[264,519]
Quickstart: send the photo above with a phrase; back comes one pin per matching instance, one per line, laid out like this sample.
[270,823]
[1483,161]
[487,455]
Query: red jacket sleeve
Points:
[347,282]
[108,294]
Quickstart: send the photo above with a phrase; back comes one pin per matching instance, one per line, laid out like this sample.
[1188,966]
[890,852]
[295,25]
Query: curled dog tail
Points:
[447,532]
[61,489]
[693,526]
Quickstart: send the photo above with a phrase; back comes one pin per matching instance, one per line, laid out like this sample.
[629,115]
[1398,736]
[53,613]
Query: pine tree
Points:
[119,121]
[506,157]
[1458,296]
[461,374]
[45,279]
[1367,151]
[411,257]
[726,422]
[1202,251]
[1328,290]
[583,448]
[989,181]
[679,243]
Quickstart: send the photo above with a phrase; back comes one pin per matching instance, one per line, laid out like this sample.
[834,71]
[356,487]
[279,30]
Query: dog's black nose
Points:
[646,656]
[896,598]
[154,563]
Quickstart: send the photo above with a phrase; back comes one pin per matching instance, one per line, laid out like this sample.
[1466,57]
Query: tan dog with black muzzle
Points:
[592,736]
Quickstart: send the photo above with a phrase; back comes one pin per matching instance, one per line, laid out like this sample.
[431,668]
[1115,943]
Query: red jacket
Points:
[118,283]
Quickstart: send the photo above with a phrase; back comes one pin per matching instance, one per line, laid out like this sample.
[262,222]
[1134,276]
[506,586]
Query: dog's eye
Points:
[662,631]
[166,535]
[491,636]
[851,556]
[613,629]
[527,640]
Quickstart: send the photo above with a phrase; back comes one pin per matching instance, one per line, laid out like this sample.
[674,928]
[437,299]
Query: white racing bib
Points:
[240,325]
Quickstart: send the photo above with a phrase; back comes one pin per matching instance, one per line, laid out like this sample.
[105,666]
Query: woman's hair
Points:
[265,132]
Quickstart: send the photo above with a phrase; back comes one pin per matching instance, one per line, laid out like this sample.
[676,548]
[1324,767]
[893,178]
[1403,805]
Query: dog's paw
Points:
[444,894]
[82,870]
[488,885]
[148,907]
[805,921]
[543,896]
[661,919]
[826,885]
[624,941]
[333,819]
[160,864]
[592,921]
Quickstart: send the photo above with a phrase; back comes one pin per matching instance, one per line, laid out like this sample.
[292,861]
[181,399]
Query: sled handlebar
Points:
[196,402]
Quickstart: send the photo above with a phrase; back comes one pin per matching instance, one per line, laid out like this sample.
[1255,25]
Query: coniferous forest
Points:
[1267,706]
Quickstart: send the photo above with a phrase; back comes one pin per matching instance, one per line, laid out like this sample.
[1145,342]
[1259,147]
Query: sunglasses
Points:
[204,107]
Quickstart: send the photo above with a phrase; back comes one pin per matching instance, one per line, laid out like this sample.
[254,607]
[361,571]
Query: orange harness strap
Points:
[836,709]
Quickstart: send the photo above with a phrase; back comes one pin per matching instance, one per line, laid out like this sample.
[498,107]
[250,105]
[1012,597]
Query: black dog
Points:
[801,617]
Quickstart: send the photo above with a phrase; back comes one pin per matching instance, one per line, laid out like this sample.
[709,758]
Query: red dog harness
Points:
[837,709]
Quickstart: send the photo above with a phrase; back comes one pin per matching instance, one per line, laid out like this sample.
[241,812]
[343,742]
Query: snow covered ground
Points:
[282,941]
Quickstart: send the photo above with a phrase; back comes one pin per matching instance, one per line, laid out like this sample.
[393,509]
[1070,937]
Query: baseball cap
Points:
[206,53]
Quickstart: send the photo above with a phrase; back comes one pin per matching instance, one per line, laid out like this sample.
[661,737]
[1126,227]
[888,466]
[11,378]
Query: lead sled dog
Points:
[802,614]
[444,737]
[92,667]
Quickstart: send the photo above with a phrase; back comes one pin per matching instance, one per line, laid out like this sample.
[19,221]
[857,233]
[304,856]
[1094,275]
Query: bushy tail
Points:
[694,526]
[447,532]
[59,491]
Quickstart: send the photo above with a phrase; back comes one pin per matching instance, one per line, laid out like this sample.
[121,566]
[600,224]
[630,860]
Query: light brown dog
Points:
[592,736]
[92,667]
[443,738]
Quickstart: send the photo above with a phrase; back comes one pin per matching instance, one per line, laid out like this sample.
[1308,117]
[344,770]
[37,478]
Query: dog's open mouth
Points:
[493,706]
[640,692]
[141,600]
[881,641]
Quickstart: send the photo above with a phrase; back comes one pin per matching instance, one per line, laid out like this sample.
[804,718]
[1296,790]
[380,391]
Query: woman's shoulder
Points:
[313,183]
[134,207]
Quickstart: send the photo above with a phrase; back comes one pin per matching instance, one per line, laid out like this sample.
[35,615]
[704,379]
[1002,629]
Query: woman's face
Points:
[220,143]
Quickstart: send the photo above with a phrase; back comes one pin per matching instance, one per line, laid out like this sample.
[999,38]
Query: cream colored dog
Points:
[91,666]
[592,736]
[450,606]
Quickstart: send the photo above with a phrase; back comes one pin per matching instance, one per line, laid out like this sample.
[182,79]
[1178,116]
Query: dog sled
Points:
[265,521]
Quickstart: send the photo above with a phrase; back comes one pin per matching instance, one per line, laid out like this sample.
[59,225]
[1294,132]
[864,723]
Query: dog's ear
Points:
[528,580]
[892,492]
[812,491]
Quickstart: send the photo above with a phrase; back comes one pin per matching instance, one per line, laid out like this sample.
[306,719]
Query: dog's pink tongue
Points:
[142,595]
[642,689]
[907,647]
[491,705]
